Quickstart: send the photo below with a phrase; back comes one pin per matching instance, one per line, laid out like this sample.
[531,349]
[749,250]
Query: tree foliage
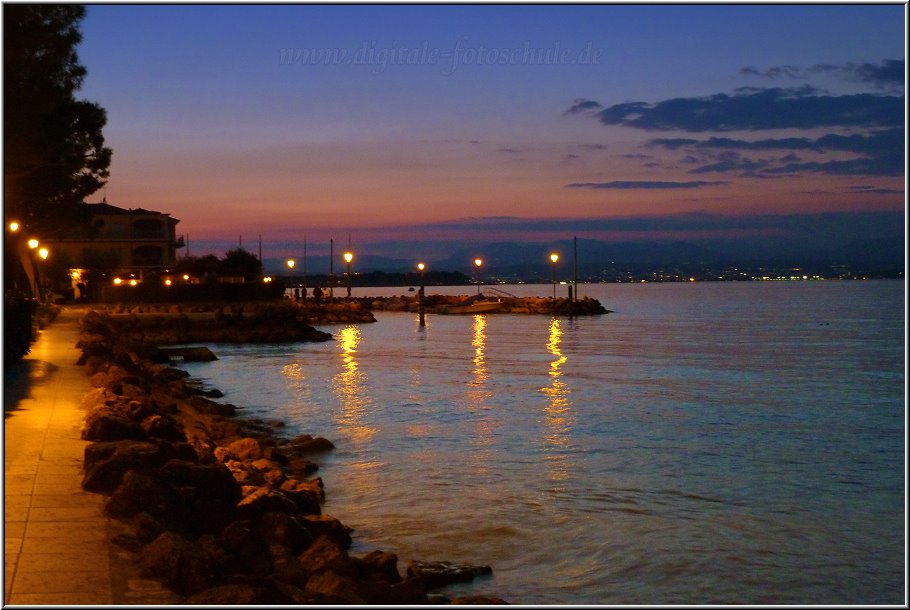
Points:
[53,143]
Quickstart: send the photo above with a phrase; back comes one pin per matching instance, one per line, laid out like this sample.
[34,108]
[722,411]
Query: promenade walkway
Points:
[56,538]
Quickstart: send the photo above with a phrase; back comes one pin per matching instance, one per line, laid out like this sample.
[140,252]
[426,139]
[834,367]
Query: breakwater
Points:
[220,508]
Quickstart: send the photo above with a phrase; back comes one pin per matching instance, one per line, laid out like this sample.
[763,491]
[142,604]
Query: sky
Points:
[509,122]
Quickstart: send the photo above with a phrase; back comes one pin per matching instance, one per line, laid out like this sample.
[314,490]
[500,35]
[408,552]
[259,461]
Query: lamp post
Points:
[421,310]
[291,263]
[554,258]
[348,257]
[478,262]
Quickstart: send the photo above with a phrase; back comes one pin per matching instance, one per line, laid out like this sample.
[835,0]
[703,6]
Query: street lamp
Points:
[554,258]
[14,226]
[43,253]
[291,263]
[478,262]
[348,257]
[421,311]
[33,243]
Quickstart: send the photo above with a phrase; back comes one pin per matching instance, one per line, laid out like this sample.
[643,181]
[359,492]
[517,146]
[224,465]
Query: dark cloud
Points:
[866,188]
[881,153]
[888,74]
[590,146]
[733,161]
[583,106]
[647,184]
[753,109]
[775,72]
[638,156]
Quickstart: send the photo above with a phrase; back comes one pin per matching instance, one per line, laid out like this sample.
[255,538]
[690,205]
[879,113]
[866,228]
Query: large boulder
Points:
[441,573]
[327,555]
[246,551]
[282,529]
[378,566]
[260,594]
[327,525]
[107,462]
[185,567]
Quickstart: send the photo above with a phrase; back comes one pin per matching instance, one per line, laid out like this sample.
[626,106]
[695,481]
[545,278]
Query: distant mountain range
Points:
[529,260]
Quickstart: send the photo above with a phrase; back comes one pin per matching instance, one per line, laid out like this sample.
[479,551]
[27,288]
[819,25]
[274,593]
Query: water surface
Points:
[704,443]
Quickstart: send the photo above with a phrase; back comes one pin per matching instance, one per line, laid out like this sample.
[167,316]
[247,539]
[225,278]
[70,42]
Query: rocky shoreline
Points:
[219,508]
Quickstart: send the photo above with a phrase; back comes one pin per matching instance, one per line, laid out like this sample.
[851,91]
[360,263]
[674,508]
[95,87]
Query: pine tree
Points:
[54,153]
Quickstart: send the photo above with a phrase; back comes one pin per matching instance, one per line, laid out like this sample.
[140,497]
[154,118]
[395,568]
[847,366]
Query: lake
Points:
[736,442]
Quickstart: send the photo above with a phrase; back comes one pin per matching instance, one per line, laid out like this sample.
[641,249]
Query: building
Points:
[122,241]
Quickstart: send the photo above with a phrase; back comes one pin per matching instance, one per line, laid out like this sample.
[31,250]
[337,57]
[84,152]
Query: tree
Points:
[53,143]
[241,262]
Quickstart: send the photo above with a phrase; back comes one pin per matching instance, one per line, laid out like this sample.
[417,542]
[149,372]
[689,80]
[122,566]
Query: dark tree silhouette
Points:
[54,153]
[241,262]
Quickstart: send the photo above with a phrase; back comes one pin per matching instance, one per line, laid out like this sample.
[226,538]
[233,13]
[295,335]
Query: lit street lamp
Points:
[43,253]
[554,258]
[421,312]
[478,262]
[291,263]
[348,257]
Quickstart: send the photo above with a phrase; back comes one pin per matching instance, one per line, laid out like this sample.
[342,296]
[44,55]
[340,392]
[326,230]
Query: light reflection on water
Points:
[704,444]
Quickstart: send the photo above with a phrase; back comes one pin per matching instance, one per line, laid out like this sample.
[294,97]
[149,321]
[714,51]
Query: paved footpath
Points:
[56,538]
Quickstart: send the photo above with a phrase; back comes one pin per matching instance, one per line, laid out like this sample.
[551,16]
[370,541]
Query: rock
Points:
[281,529]
[442,573]
[308,444]
[104,425]
[247,551]
[208,492]
[162,426]
[336,587]
[378,566]
[242,594]
[315,486]
[478,600]
[265,500]
[139,492]
[107,462]
[408,592]
[287,568]
[246,449]
[327,555]
[186,568]
[327,525]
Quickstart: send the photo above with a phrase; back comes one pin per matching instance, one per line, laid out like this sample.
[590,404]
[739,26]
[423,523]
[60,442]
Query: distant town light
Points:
[167,282]
[134,282]
[266,279]
[117,281]
[186,277]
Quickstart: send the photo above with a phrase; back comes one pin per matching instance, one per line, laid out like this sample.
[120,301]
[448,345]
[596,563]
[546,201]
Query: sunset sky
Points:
[434,123]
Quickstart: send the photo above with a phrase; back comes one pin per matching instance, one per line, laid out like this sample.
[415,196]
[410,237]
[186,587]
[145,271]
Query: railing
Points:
[499,292]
